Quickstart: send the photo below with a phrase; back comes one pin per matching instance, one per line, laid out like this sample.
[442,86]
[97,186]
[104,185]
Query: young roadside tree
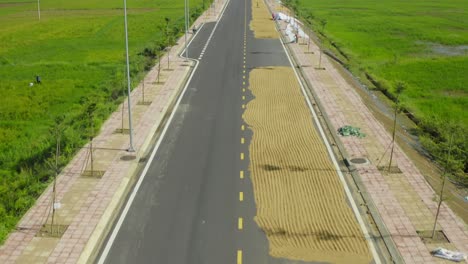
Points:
[170,40]
[400,87]
[323,23]
[54,164]
[444,178]
[90,109]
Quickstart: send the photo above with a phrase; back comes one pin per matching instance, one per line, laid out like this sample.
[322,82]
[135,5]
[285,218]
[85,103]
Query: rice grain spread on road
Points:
[262,24]
[301,204]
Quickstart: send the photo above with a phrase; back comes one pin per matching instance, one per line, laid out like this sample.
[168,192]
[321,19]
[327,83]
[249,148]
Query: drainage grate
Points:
[439,236]
[128,157]
[55,231]
[356,161]
[93,174]
[168,69]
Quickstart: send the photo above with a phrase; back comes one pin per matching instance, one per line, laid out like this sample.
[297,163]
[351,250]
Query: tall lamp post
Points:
[187,14]
[39,9]
[130,148]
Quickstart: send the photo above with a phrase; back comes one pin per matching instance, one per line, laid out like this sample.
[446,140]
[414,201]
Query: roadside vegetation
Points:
[78,50]
[423,44]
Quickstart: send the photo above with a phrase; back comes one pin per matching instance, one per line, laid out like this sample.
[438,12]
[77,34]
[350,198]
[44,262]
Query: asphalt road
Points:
[187,210]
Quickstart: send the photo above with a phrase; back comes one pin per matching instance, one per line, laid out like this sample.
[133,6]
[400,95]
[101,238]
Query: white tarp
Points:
[294,26]
[448,254]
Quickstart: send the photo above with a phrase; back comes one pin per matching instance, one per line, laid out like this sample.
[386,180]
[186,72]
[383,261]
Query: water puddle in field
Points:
[444,50]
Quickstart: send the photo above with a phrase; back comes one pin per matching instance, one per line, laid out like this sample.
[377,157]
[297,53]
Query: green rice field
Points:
[78,50]
[422,43]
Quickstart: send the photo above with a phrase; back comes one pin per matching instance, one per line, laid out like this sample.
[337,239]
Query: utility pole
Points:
[186,28]
[39,9]
[130,148]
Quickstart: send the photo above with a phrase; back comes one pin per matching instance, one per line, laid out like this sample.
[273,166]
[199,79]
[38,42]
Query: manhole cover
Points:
[359,161]
[127,157]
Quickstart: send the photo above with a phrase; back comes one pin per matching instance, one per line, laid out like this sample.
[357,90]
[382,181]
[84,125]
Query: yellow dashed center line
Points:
[240,223]
[240,220]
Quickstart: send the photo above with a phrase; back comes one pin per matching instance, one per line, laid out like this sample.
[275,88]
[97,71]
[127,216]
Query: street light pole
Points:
[39,9]
[186,28]
[130,148]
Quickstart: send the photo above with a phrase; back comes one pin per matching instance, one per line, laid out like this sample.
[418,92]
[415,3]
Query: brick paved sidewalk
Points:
[90,202]
[405,201]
